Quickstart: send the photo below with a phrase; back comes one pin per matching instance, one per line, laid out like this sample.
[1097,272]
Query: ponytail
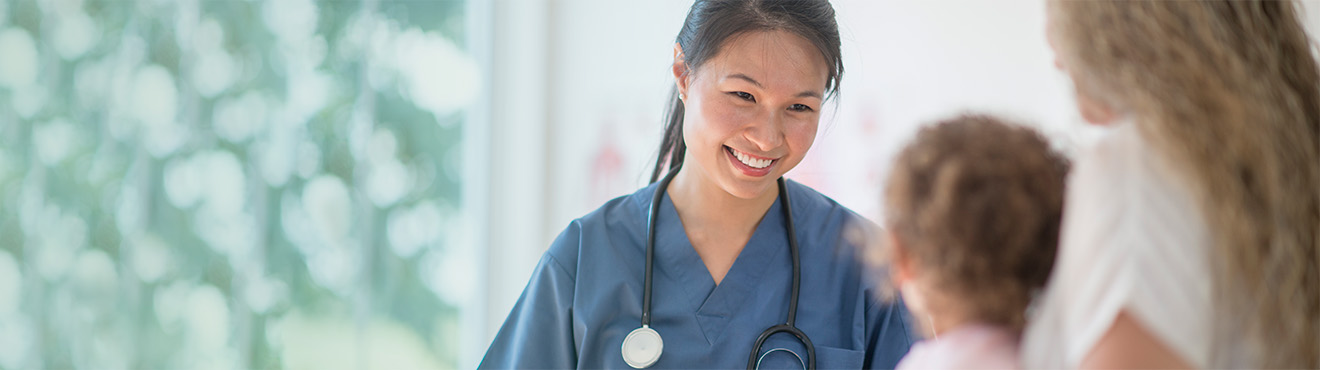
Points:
[671,145]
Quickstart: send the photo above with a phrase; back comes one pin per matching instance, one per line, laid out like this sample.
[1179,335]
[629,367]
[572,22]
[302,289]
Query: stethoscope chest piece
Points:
[642,347]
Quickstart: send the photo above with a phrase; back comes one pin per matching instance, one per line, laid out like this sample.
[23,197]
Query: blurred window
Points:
[234,184]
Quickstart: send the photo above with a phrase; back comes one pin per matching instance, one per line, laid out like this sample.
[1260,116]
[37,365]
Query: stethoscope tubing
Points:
[789,326]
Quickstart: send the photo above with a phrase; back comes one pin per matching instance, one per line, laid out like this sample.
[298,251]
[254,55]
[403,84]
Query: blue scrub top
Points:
[586,295]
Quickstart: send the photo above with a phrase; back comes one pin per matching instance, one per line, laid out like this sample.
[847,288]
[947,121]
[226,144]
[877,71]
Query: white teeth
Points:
[752,162]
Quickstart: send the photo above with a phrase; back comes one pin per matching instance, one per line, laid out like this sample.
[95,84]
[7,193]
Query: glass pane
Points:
[232,184]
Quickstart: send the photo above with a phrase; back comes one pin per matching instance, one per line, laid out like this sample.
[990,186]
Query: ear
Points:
[902,265]
[680,70]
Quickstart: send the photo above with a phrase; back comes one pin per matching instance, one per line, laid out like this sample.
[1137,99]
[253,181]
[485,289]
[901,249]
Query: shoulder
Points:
[1126,191]
[1105,169]
[827,231]
[815,211]
[1133,238]
[1125,163]
[827,227]
[1128,204]
[615,223]
[974,347]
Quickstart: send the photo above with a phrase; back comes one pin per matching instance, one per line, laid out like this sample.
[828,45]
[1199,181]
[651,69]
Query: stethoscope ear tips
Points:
[642,347]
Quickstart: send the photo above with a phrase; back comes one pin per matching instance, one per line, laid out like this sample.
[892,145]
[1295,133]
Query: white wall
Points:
[610,82]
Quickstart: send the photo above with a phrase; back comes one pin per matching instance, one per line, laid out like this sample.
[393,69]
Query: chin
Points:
[751,189]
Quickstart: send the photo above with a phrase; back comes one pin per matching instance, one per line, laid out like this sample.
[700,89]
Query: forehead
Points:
[775,58]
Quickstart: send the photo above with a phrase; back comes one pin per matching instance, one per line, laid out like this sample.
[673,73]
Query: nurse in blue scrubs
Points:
[751,80]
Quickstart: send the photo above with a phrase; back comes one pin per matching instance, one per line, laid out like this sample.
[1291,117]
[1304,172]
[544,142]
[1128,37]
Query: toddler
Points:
[972,212]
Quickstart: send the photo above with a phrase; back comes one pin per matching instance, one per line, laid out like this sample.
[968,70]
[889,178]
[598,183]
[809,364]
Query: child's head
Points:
[972,209]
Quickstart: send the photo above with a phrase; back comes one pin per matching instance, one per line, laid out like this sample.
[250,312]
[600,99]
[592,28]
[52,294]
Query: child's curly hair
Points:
[976,204]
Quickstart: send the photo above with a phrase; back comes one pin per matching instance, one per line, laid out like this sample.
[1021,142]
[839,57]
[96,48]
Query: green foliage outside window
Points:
[232,184]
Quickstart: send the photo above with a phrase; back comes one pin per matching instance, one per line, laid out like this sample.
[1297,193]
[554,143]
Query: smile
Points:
[750,160]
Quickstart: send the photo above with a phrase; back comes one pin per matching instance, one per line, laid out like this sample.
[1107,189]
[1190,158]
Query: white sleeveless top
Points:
[1133,238]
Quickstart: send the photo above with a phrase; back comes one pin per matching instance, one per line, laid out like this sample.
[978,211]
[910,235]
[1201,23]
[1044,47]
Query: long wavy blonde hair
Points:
[1229,91]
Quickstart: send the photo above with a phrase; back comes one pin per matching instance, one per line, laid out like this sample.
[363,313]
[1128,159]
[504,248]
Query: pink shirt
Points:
[967,347]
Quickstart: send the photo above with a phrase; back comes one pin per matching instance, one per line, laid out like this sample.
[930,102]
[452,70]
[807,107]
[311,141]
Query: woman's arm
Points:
[539,331]
[538,334]
[1129,345]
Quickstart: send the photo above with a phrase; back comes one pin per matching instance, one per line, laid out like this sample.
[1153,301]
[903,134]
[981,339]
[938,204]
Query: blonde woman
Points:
[1190,232]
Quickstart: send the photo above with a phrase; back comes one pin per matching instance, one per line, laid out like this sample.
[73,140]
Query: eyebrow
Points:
[807,94]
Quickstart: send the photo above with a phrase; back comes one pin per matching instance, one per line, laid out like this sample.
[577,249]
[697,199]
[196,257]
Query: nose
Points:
[766,131]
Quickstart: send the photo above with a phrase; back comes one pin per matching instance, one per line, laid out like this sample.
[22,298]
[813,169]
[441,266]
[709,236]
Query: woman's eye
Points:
[799,108]
[744,96]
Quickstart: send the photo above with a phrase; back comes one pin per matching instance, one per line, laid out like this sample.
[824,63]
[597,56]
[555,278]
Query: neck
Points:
[942,324]
[701,203]
[941,318]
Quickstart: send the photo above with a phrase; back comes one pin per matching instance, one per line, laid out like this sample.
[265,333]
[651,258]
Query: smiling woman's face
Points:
[752,110]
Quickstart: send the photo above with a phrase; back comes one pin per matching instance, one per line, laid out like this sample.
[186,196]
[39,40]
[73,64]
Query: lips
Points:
[748,164]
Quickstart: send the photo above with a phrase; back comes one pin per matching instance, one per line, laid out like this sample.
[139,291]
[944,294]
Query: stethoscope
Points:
[642,347]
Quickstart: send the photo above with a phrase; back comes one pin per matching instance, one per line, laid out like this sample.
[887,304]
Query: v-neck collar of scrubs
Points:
[715,305]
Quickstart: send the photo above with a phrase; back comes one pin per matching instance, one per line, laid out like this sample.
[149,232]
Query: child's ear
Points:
[902,265]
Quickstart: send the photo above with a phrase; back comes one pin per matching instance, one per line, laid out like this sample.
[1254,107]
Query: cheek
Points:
[802,134]
[715,120]
[1092,110]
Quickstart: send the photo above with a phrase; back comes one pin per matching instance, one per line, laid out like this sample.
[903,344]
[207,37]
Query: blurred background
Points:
[337,184]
